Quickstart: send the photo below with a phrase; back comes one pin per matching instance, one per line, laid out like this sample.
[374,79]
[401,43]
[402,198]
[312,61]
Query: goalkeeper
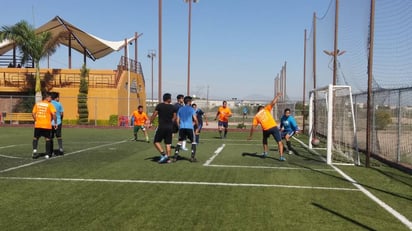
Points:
[288,128]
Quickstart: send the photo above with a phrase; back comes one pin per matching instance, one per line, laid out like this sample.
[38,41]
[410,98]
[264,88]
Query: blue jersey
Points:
[199,115]
[59,111]
[288,124]
[185,115]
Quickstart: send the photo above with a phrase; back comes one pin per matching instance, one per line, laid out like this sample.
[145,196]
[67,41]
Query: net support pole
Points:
[330,129]
[310,119]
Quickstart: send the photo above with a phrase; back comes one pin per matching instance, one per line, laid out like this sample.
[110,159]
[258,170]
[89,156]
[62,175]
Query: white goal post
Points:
[332,121]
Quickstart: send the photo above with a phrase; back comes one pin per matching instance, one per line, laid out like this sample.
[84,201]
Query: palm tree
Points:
[32,45]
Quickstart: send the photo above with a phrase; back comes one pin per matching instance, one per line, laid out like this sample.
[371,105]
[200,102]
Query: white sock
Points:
[184,144]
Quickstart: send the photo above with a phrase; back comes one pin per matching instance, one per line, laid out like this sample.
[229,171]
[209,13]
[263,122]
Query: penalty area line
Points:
[268,167]
[67,154]
[178,183]
[385,206]
[217,152]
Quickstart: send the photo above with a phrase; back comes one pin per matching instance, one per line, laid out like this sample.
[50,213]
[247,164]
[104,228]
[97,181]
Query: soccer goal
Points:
[332,122]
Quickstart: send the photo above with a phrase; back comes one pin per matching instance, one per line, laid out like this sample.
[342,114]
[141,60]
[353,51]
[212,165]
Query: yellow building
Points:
[108,93]
[111,92]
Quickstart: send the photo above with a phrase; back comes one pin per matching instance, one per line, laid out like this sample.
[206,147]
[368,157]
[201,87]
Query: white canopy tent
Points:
[75,38]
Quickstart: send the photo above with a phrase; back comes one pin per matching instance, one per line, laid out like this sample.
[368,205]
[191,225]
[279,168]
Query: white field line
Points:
[267,167]
[66,154]
[392,211]
[12,157]
[218,150]
[8,146]
[177,182]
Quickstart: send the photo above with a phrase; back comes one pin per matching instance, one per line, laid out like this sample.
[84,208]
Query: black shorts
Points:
[39,132]
[56,132]
[186,133]
[163,134]
[272,131]
[175,128]
[222,124]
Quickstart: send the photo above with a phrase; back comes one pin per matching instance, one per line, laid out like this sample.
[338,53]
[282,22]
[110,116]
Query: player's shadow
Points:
[257,155]
[141,141]
[153,158]
[157,158]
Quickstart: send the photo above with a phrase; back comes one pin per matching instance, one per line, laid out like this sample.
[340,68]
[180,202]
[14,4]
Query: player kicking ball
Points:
[269,127]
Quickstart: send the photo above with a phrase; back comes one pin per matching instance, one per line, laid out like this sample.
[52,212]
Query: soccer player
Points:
[180,103]
[186,116]
[288,127]
[57,130]
[269,127]
[167,114]
[199,115]
[223,113]
[139,118]
[43,113]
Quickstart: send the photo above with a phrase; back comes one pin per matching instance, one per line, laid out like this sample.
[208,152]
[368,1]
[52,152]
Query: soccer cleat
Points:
[47,156]
[264,155]
[290,152]
[34,154]
[282,158]
[163,159]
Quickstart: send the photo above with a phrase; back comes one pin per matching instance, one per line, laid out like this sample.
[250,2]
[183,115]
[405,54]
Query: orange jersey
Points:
[139,118]
[265,118]
[43,112]
[224,114]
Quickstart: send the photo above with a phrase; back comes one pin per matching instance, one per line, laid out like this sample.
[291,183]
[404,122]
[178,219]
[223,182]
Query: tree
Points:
[32,45]
[82,96]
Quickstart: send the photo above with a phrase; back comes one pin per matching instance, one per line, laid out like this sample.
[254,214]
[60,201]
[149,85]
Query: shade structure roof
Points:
[77,39]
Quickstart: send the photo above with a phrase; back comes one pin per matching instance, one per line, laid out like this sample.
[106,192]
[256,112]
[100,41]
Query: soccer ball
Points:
[47,156]
[315,141]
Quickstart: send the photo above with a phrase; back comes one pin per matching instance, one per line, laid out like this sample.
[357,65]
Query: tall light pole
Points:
[151,55]
[188,43]
[159,92]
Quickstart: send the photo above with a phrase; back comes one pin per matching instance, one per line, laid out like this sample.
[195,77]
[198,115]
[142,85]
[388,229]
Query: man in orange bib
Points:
[43,113]
[269,127]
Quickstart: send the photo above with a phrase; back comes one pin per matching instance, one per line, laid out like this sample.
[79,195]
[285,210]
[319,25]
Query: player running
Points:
[167,115]
[223,113]
[186,116]
[139,118]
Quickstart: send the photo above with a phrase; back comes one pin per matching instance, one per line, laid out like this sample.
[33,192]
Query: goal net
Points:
[332,122]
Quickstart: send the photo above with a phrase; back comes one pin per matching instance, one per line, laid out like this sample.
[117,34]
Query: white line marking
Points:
[392,211]
[9,146]
[70,153]
[214,156]
[179,182]
[12,157]
[267,167]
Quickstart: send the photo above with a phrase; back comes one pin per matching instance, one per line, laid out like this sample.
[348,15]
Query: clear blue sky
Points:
[237,46]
